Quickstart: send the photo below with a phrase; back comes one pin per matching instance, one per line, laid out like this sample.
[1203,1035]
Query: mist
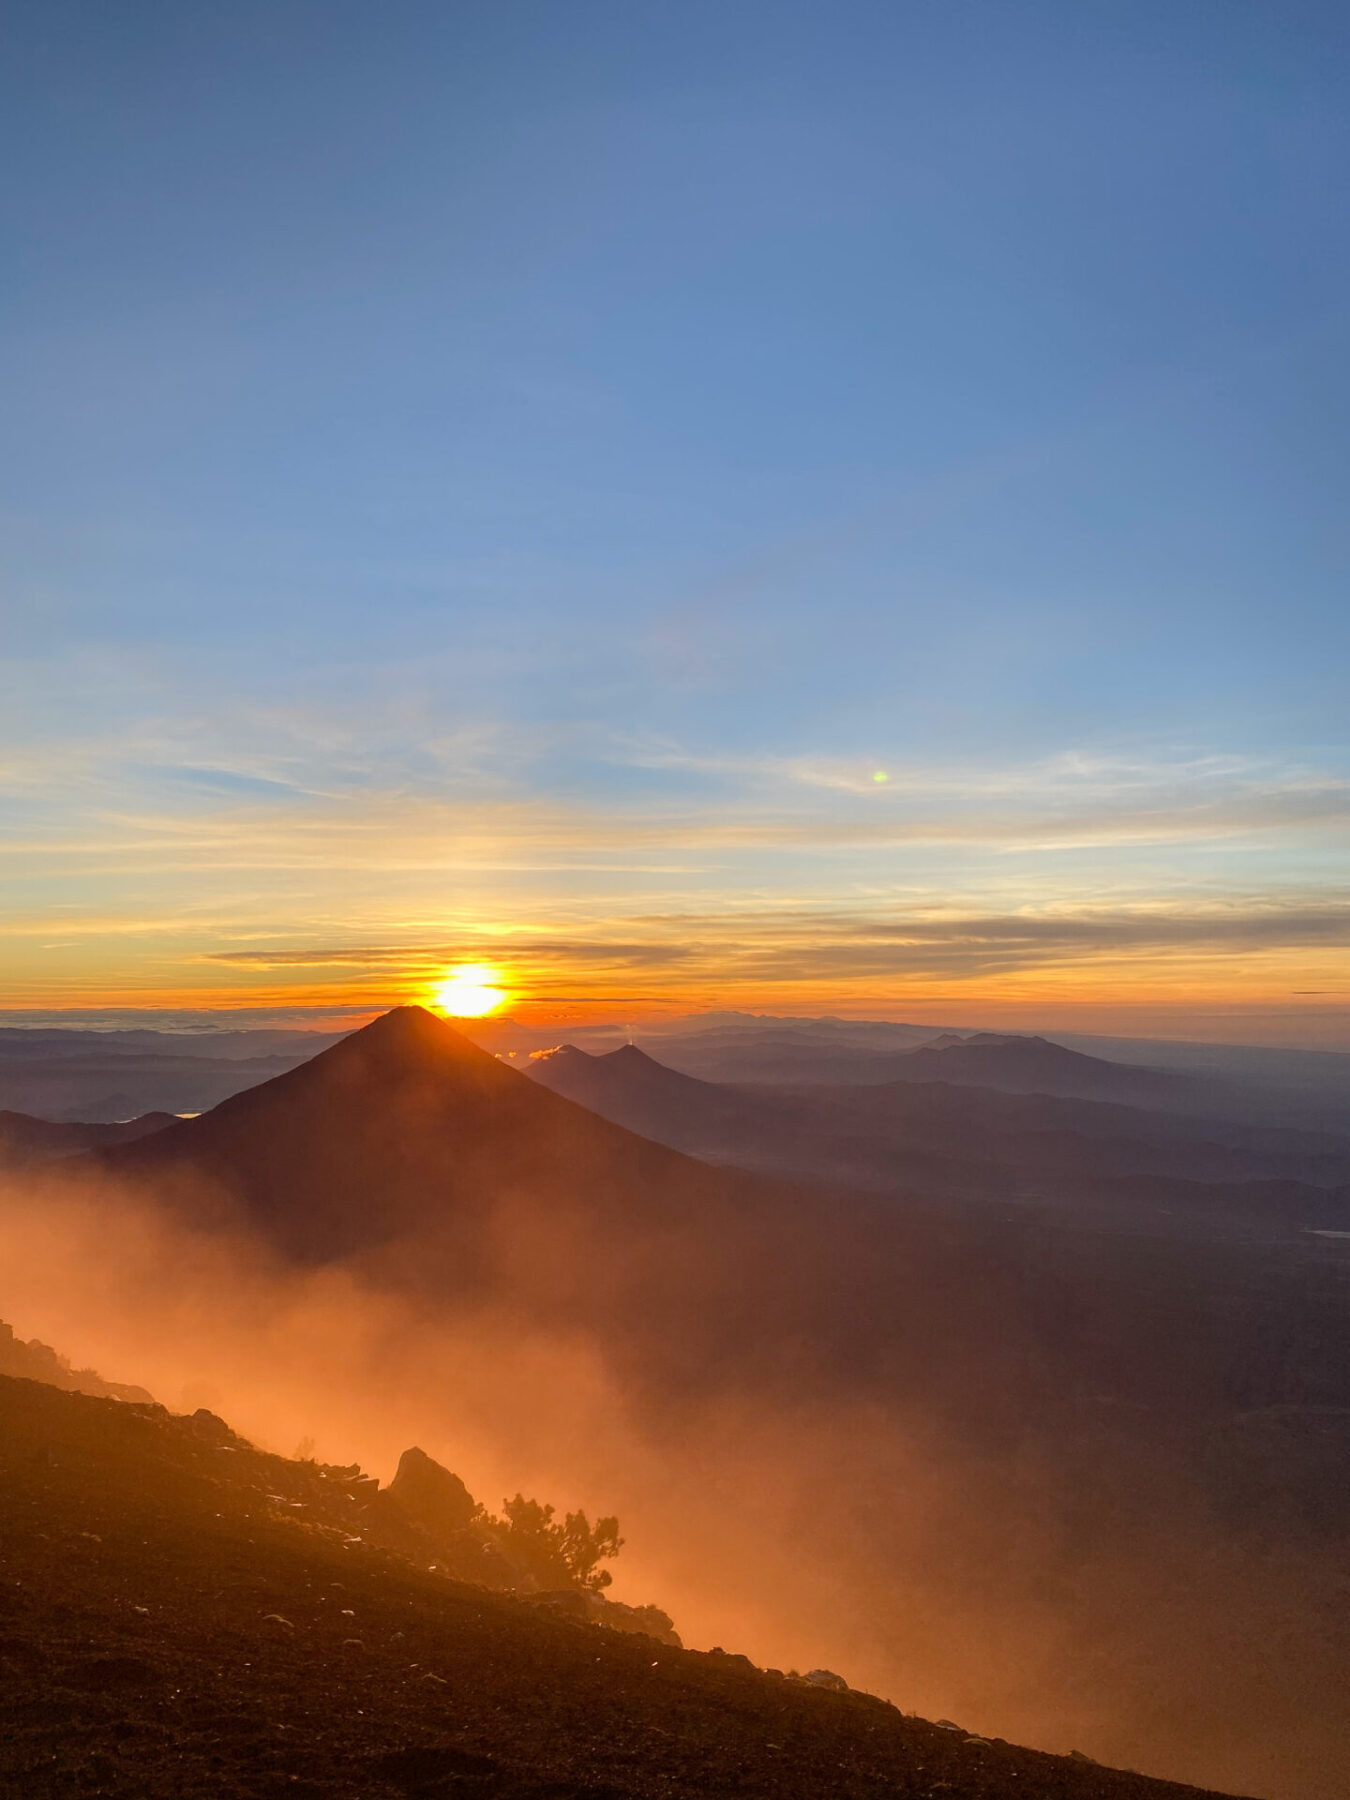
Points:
[1067,1591]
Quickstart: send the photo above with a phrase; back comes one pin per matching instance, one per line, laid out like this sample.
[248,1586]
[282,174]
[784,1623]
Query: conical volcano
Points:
[407,1130]
[443,1173]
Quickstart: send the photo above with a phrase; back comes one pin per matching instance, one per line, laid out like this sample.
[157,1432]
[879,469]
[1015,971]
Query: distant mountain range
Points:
[980,1059]
[114,1076]
[66,1075]
[27,1042]
[26,1141]
[982,1115]
[1309,1091]
[931,1135]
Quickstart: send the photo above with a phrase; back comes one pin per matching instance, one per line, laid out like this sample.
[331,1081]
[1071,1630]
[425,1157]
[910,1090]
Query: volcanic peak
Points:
[412,1034]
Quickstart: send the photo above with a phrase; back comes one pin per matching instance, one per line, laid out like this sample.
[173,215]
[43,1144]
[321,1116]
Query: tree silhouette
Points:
[566,1553]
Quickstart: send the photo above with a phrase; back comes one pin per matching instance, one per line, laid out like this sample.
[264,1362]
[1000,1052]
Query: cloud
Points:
[435,956]
[777,944]
[226,828]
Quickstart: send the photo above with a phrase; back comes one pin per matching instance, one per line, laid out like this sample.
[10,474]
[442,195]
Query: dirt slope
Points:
[173,1623]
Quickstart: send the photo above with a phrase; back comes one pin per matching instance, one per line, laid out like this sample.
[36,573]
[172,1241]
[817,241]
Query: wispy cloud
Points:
[806,940]
[261,816]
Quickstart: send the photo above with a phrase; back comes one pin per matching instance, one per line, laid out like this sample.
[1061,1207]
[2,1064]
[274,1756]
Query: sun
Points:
[470,991]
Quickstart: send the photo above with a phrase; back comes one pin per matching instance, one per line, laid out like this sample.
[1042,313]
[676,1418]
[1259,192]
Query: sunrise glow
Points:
[470,991]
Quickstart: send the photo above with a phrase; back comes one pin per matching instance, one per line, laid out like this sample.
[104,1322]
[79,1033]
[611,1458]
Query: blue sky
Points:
[521,470]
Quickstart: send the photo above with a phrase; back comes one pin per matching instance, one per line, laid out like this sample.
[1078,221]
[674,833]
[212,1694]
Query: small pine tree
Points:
[565,1554]
[582,1548]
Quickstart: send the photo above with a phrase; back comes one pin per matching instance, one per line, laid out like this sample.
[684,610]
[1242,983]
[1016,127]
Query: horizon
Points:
[322,1022]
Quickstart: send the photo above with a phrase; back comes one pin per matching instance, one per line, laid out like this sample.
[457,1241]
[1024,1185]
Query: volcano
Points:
[632,1089]
[1036,1065]
[408,1129]
[443,1171]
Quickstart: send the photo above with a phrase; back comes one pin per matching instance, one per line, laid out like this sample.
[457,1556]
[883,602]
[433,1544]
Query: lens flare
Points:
[470,991]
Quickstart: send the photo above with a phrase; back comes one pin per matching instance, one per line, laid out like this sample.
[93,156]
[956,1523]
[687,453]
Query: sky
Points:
[821,508]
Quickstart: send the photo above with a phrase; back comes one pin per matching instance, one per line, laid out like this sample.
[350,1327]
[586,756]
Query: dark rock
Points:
[431,1496]
[213,1429]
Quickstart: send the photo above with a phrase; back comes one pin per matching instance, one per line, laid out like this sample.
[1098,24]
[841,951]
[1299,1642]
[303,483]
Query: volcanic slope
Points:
[182,1616]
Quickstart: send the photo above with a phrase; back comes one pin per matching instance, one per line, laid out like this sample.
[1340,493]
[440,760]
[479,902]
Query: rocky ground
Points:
[182,1616]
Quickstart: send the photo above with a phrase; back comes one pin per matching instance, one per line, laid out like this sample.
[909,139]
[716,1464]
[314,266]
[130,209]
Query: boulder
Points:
[431,1496]
[212,1428]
